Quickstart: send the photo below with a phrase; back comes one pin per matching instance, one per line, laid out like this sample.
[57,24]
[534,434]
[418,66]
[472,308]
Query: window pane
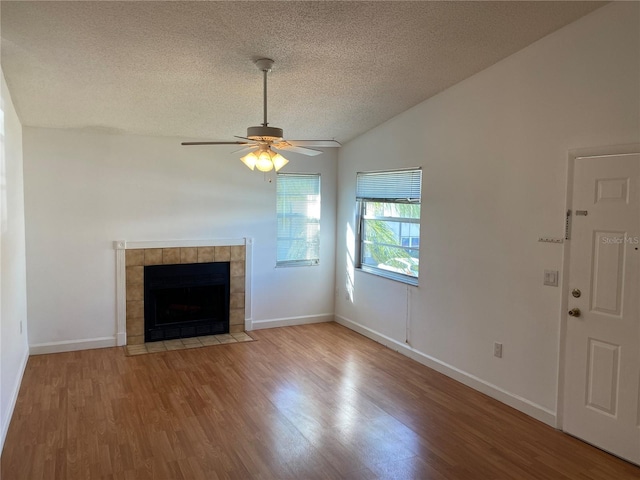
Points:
[389,231]
[391,245]
[298,208]
[398,210]
[393,259]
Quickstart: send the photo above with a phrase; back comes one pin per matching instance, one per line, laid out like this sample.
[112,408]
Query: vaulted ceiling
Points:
[185,68]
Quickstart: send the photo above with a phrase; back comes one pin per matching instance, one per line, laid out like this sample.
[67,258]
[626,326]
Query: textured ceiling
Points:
[185,68]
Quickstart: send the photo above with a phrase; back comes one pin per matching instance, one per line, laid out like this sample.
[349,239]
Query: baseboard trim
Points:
[291,321]
[14,399]
[519,403]
[72,345]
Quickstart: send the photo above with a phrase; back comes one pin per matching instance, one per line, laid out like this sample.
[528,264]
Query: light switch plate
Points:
[551,278]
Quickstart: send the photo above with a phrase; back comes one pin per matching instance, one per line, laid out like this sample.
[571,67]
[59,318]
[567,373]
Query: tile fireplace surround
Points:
[132,257]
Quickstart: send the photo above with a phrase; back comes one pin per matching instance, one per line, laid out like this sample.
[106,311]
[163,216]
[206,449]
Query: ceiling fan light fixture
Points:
[264,160]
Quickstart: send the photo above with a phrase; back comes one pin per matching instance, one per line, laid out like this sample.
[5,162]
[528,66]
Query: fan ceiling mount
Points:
[263,139]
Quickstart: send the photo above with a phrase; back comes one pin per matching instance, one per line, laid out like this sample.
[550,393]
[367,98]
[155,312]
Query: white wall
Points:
[84,190]
[494,152]
[13,298]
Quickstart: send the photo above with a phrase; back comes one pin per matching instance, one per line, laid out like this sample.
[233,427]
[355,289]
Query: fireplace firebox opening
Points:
[186,300]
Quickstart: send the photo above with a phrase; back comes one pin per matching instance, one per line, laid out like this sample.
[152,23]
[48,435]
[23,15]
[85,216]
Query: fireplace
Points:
[189,300]
[133,258]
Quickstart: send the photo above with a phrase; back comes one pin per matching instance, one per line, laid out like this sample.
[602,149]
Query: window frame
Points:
[299,262]
[362,217]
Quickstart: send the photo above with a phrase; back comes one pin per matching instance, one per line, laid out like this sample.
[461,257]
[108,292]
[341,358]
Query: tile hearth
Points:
[185,343]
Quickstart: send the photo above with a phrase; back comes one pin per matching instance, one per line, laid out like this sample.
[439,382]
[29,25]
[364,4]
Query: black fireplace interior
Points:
[182,301]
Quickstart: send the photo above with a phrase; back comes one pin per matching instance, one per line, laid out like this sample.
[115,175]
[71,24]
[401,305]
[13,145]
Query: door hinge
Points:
[567,226]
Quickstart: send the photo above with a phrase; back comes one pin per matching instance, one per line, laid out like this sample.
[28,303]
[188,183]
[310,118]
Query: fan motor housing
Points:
[262,132]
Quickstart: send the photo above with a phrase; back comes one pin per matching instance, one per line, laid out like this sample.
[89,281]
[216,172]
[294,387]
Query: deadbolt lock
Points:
[576,292]
[574,312]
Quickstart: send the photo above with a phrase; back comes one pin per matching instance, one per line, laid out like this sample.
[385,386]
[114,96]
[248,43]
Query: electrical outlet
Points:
[497,349]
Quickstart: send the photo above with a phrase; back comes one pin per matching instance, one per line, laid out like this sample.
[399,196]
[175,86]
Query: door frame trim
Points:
[572,156]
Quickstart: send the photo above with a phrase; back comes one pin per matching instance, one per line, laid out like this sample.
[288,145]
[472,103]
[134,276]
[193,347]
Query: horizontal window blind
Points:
[298,208]
[401,186]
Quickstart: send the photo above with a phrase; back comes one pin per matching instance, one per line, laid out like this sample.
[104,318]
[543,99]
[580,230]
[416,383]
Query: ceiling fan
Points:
[261,141]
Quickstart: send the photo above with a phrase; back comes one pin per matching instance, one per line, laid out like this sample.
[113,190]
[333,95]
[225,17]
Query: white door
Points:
[602,361]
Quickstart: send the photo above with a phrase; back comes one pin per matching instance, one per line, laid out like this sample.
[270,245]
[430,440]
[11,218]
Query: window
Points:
[389,223]
[298,198]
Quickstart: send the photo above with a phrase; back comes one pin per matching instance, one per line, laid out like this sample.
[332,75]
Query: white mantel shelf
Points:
[216,242]
[120,246]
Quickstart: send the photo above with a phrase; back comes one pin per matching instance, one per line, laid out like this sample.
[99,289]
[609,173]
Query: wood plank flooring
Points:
[308,402]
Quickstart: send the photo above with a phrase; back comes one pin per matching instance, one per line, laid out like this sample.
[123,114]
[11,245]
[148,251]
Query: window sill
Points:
[397,277]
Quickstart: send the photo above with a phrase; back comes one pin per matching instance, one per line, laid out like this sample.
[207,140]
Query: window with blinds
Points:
[389,223]
[298,209]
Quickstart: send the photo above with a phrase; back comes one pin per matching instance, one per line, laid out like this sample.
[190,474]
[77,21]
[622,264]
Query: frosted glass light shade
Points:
[279,161]
[250,160]
[264,163]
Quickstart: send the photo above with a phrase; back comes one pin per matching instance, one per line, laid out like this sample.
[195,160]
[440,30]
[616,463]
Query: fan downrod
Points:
[265,133]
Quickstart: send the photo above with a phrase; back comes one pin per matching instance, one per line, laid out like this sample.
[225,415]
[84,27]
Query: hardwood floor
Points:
[315,401]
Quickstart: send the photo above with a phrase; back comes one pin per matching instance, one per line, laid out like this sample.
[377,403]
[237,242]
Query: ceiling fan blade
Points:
[315,143]
[214,143]
[292,148]
[246,149]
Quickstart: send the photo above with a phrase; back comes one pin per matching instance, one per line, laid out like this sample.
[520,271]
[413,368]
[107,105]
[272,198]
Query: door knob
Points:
[574,312]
